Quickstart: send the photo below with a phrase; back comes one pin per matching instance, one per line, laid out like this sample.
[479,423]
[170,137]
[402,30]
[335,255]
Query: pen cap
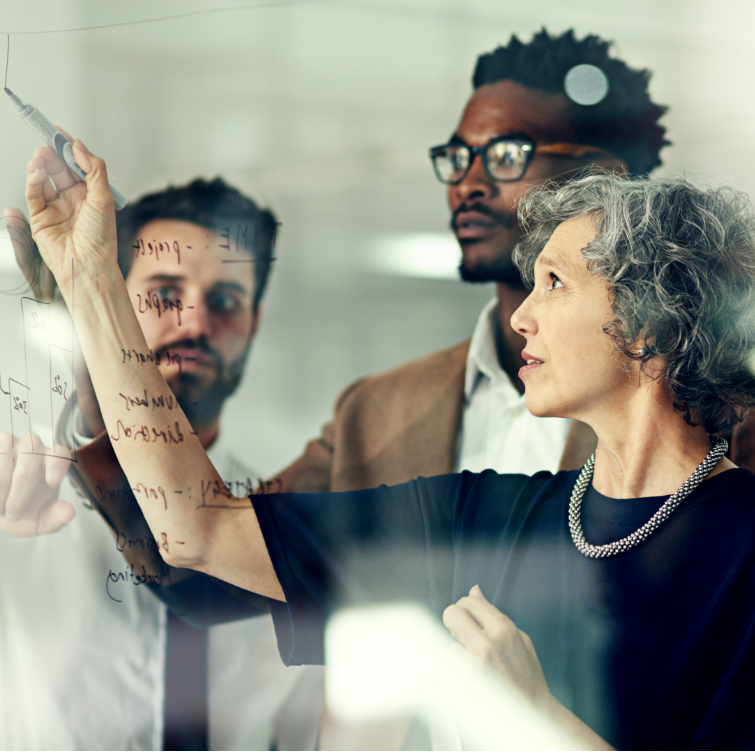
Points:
[120,200]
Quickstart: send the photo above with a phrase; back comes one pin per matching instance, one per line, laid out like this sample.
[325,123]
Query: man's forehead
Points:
[189,252]
[506,108]
[193,236]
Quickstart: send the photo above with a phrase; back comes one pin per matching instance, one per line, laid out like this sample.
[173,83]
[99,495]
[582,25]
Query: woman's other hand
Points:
[494,640]
[30,479]
[73,223]
[28,258]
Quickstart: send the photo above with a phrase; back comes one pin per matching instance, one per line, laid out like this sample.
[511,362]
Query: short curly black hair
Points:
[625,122]
[213,205]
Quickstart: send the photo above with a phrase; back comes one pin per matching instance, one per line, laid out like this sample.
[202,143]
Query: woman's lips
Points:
[532,364]
[528,368]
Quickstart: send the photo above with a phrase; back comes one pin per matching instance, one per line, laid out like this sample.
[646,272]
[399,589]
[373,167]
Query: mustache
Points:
[201,344]
[503,219]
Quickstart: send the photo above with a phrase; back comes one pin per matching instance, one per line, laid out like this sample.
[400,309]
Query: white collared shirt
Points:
[82,655]
[497,431]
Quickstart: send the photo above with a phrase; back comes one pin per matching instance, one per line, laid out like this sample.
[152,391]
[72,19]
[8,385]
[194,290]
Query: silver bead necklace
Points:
[720,446]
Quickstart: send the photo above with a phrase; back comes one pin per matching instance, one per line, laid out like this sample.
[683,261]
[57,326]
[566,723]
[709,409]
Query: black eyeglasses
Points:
[505,160]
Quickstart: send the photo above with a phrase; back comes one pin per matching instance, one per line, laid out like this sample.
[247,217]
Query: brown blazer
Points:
[399,425]
[404,423]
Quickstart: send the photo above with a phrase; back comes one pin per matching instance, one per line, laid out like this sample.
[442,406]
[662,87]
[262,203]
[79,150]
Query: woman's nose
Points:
[523,320]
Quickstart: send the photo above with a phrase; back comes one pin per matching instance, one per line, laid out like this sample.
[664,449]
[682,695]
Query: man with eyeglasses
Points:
[544,110]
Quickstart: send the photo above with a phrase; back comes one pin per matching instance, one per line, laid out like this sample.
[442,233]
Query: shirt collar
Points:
[218,453]
[482,358]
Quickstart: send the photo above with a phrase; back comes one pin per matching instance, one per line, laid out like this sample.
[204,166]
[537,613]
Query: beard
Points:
[498,267]
[202,399]
[494,271]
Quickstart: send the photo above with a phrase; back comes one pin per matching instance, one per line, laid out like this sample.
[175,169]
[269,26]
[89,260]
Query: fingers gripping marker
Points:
[67,155]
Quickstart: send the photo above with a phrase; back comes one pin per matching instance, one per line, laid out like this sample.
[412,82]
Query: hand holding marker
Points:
[54,139]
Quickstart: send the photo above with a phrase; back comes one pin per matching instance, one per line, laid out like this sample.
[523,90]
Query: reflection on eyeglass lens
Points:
[507,159]
[452,164]
[503,160]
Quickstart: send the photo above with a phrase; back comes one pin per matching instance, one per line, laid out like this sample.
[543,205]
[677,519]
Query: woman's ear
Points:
[643,348]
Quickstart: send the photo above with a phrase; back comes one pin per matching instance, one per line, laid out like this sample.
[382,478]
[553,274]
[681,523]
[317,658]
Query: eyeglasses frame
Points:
[564,149]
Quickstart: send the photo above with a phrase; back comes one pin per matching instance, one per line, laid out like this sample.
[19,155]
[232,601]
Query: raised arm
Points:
[73,224]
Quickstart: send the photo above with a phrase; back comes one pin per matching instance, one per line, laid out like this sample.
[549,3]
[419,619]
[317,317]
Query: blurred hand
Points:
[30,485]
[28,258]
[493,639]
[73,222]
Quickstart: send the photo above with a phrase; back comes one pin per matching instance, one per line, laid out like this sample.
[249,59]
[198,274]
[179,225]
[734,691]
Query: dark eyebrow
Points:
[165,278]
[517,135]
[231,285]
[513,135]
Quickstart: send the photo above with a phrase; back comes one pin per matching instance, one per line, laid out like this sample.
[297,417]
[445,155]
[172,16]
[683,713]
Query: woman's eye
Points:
[555,282]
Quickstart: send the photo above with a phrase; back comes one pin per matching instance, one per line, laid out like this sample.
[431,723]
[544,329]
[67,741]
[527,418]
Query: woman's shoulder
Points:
[736,485]
[732,488]
[487,481]
[540,483]
[736,477]
[490,497]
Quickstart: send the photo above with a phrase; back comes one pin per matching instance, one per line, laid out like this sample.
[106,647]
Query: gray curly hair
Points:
[680,265]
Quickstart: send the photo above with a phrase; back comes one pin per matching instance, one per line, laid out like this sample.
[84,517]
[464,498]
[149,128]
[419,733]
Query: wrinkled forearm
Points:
[157,448]
[198,599]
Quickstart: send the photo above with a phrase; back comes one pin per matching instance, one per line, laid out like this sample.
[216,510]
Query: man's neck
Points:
[208,434]
[509,343]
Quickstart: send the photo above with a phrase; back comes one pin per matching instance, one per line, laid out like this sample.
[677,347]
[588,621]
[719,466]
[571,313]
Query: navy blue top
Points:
[652,648]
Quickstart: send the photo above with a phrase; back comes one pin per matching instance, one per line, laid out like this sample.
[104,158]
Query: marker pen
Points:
[54,139]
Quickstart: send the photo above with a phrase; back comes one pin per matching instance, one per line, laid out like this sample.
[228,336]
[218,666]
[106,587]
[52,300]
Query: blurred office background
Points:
[324,110]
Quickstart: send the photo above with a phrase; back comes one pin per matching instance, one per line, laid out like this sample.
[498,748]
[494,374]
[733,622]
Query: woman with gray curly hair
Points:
[678,263]
[634,579]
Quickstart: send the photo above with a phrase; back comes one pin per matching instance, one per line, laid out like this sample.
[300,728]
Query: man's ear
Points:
[256,320]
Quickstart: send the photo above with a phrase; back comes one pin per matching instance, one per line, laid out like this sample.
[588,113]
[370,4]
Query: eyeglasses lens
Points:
[451,164]
[504,160]
[507,160]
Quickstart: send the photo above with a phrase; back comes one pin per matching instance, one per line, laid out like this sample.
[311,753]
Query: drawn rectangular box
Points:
[19,408]
[61,381]
[36,328]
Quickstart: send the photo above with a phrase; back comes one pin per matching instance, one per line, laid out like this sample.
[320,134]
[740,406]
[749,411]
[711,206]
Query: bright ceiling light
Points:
[391,660]
[418,255]
[378,659]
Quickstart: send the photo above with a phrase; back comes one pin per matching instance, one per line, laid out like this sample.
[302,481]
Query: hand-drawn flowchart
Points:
[36,365]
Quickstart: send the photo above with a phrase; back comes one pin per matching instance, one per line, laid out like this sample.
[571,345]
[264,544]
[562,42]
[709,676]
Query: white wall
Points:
[324,111]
